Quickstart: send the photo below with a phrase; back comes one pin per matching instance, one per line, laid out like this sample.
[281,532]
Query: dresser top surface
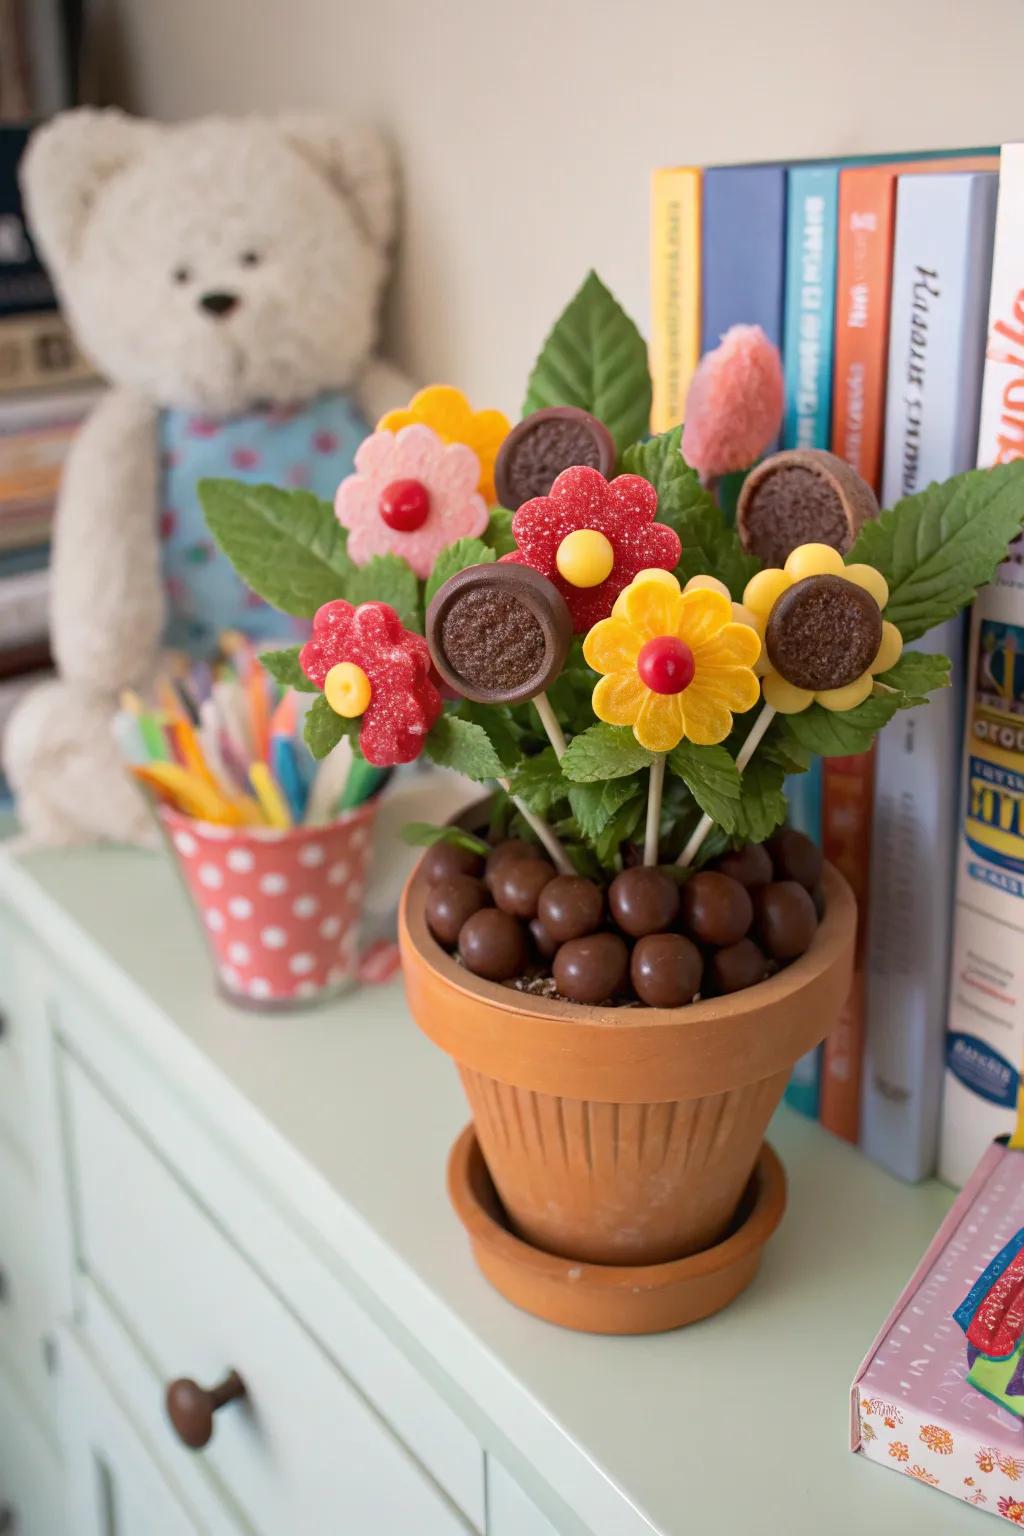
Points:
[738,1423]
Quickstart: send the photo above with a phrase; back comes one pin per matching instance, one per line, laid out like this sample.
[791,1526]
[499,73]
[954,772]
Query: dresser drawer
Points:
[303,1452]
[31,1488]
[510,1511]
[24,1313]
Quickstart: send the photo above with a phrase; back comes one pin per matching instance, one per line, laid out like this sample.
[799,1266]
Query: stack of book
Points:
[46,388]
[874,278]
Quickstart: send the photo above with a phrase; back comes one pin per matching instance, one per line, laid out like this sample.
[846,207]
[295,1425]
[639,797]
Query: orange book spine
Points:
[846,842]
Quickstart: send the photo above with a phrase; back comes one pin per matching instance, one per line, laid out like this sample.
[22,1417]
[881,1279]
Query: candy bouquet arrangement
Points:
[561,610]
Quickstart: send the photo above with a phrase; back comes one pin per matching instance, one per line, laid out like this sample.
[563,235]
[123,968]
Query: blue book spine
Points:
[743,253]
[810,302]
[942,264]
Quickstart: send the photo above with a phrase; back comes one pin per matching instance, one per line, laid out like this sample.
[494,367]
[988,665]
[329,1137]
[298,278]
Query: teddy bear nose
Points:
[219,303]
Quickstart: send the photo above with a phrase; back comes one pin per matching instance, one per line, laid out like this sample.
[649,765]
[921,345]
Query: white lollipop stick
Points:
[746,752]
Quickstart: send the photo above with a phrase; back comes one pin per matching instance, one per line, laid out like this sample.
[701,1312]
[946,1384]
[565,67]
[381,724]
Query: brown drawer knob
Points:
[191,1408]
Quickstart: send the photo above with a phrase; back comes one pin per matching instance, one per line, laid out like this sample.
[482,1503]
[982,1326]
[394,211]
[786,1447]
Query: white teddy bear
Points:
[225,277]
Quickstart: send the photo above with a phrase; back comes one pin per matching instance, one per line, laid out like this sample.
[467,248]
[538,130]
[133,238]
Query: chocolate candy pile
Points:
[648,937]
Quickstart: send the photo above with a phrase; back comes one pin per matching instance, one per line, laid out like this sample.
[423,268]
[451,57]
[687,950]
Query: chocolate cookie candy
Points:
[795,856]
[492,944]
[570,907]
[592,969]
[786,919]
[665,970]
[823,632]
[643,900]
[802,496]
[445,859]
[543,444]
[449,903]
[498,634]
[716,909]
[517,883]
[737,966]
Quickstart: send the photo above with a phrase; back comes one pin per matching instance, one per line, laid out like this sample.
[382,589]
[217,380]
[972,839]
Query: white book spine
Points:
[941,272]
[985,1039]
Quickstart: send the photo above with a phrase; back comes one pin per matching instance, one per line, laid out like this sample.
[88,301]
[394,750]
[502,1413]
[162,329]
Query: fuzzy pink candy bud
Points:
[734,403]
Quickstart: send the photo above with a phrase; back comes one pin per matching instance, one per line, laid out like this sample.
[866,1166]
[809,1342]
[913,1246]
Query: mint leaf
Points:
[387,579]
[539,781]
[762,804]
[288,546]
[595,358]
[832,733]
[595,805]
[455,558]
[712,778]
[423,834]
[324,729]
[283,666]
[460,744]
[937,548]
[498,533]
[916,674]
[604,752]
[496,724]
[619,830]
[710,547]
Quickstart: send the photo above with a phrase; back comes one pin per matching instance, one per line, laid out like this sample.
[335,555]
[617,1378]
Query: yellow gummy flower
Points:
[675,664]
[451,416]
[821,645]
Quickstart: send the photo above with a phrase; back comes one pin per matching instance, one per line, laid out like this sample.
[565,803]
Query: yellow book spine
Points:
[675,290]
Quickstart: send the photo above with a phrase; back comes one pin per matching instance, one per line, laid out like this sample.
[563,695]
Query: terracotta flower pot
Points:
[624,1135]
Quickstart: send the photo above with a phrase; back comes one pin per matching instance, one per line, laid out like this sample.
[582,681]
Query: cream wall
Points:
[527,131]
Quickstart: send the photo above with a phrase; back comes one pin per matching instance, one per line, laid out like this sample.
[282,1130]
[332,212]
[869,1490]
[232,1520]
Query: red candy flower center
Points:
[404,505]
[666,664]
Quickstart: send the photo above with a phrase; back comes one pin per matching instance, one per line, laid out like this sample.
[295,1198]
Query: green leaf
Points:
[539,781]
[937,548]
[498,533]
[604,752]
[710,547]
[423,834]
[712,778]
[283,666]
[288,546]
[762,805]
[916,674]
[619,830]
[595,805]
[832,733]
[324,729]
[595,358]
[496,723]
[461,744]
[455,558]
[387,579]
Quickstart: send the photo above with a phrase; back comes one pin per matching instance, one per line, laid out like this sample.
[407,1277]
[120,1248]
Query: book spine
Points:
[985,1033]
[810,288]
[38,352]
[941,273]
[675,291]
[846,836]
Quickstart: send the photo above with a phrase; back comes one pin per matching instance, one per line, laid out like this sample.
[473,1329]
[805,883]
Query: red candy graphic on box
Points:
[281,910]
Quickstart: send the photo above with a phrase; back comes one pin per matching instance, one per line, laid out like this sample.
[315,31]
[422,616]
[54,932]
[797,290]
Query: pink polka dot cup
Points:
[280,910]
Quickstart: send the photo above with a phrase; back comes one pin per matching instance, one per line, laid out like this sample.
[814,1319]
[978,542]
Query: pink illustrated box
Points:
[912,1408]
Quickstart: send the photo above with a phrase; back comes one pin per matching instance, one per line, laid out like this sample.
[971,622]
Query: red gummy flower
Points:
[552,536]
[369,665]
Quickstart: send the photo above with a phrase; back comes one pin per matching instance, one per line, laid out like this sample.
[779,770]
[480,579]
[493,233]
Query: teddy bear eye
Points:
[182,274]
[250,258]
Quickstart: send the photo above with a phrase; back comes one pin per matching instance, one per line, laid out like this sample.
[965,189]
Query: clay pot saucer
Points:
[613,1298]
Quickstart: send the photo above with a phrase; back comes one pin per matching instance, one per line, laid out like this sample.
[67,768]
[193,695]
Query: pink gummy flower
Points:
[411,495]
[734,404]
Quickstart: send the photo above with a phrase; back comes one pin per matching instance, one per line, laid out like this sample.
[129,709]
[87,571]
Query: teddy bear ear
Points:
[63,168]
[357,162]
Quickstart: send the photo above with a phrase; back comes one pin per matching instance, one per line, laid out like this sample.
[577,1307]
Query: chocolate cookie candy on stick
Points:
[802,496]
[543,444]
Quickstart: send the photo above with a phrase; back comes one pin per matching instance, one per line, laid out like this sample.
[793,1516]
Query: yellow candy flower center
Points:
[347,690]
[585,558]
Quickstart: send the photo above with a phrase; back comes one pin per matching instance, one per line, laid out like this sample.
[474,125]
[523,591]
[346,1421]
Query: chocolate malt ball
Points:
[511,848]
[592,969]
[795,856]
[786,919]
[543,943]
[751,865]
[737,966]
[517,884]
[446,859]
[449,903]
[492,944]
[570,907]
[716,909]
[643,900]
[665,970]
[802,496]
